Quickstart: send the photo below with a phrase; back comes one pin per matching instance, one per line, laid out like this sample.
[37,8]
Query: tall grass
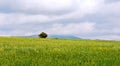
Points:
[58,52]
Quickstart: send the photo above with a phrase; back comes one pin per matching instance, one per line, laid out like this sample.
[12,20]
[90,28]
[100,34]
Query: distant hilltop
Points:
[63,36]
[55,36]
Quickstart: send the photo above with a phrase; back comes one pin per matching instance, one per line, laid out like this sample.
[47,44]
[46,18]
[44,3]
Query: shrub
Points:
[43,35]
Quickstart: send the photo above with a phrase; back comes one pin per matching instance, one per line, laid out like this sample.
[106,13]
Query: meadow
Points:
[16,51]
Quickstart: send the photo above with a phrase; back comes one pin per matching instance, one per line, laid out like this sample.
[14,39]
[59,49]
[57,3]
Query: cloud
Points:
[43,11]
[111,9]
[72,28]
[55,28]
[111,1]
[105,37]
[99,18]
[38,6]
[53,7]
[20,18]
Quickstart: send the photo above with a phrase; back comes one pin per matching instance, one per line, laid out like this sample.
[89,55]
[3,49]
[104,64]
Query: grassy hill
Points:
[58,52]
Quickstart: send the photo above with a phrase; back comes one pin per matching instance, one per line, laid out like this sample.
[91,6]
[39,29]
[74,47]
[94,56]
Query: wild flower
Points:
[1,49]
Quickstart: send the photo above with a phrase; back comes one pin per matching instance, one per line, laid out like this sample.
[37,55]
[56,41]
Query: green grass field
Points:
[58,52]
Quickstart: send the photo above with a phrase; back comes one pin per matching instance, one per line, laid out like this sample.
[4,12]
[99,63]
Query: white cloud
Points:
[72,28]
[19,18]
[110,9]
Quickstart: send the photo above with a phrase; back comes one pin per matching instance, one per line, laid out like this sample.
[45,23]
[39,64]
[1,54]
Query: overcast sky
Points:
[91,19]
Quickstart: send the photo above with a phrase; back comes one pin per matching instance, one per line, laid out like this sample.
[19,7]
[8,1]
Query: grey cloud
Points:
[37,7]
[111,1]
[104,16]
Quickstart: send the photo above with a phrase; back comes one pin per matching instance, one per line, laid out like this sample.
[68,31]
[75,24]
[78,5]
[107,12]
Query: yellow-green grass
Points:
[58,52]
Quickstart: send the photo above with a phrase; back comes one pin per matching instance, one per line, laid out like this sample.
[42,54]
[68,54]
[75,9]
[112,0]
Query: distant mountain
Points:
[55,36]
[32,36]
[63,36]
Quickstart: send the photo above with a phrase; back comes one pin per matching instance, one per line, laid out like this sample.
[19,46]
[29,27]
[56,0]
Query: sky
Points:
[88,19]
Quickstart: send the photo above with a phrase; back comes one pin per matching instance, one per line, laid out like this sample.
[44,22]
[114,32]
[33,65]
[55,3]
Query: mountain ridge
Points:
[56,36]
